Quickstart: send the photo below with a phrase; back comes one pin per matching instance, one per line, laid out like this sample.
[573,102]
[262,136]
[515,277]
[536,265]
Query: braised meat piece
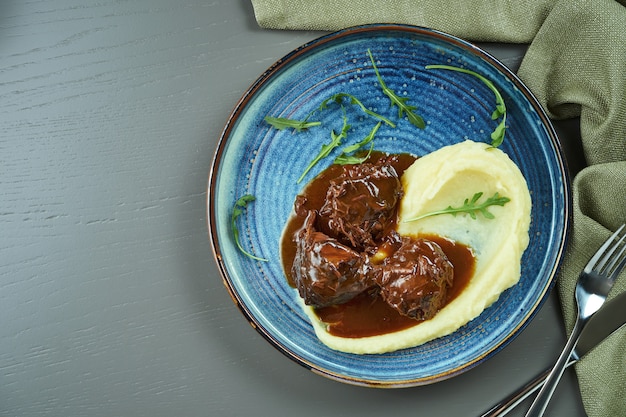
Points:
[325,271]
[344,244]
[360,204]
[415,279]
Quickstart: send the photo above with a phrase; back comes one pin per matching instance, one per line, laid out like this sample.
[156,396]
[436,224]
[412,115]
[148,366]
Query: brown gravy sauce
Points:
[367,314]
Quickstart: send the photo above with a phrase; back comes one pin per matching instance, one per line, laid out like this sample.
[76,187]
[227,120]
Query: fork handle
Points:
[539,405]
[513,400]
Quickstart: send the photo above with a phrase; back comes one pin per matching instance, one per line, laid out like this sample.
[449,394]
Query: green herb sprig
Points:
[345,158]
[471,207]
[241,204]
[281,123]
[338,98]
[401,102]
[497,136]
[326,149]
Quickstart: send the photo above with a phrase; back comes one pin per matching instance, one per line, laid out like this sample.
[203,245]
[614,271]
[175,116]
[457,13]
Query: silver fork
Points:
[592,288]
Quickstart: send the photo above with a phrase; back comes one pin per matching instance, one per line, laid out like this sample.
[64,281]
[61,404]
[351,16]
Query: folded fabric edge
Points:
[482,21]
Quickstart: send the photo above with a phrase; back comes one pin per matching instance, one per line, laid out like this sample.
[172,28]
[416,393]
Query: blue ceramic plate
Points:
[254,158]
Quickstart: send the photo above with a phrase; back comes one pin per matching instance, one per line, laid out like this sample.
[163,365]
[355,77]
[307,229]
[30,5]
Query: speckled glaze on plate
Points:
[253,158]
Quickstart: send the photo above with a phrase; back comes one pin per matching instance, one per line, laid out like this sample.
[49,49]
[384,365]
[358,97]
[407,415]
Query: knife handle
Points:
[507,404]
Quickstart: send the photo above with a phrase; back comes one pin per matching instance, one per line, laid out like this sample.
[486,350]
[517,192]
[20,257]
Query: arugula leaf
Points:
[497,136]
[353,159]
[281,123]
[240,204]
[401,102]
[344,158]
[328,148]
[338,98]
[471,207]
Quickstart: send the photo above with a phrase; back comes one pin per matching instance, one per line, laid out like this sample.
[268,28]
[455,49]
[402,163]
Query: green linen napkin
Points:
[576,66]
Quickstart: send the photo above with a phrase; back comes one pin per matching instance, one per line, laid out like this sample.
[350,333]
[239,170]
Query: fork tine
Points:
[618,262]
[595,262]
[609,260]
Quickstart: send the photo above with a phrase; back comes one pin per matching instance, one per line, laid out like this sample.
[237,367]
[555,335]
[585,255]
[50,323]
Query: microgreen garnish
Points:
[240,204]
[281,123]
[471,207]
[497,136]
[344,158]
[338,98]
[328,148]
[401,102]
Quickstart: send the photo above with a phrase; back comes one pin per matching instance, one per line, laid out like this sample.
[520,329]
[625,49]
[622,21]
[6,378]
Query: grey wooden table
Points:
[110,299]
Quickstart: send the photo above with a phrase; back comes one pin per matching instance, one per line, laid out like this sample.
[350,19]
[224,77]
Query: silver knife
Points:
[609,319]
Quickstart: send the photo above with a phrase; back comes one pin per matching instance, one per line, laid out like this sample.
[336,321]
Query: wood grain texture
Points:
[110,299]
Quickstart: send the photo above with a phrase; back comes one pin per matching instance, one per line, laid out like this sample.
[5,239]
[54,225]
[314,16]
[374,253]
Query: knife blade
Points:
[602,325]
[609,319]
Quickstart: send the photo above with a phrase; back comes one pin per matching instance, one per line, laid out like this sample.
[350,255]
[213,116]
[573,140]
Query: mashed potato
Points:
[445,178]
